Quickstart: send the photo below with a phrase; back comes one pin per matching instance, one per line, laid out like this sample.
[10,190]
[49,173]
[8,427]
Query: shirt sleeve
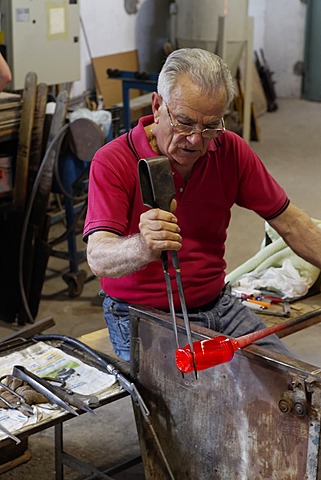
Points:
[109,193]
[256,188]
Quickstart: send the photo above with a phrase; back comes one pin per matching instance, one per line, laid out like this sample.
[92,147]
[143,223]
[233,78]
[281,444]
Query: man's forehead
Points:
[193,108]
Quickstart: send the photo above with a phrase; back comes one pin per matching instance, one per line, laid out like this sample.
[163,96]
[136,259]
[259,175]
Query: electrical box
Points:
[41,36]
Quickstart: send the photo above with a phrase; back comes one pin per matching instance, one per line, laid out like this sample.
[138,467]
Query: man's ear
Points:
[156,103]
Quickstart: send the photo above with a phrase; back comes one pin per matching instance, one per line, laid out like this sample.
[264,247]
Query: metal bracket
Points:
[295,398]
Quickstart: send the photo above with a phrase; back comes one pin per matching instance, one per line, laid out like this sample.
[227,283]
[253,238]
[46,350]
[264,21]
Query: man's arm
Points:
[109,255]
[300,233]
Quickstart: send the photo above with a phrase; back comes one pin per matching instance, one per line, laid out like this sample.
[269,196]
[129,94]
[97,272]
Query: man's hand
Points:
[109,255]
[159,231]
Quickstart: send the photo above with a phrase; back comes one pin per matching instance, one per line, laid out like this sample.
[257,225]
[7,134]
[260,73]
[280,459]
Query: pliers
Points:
[158,190]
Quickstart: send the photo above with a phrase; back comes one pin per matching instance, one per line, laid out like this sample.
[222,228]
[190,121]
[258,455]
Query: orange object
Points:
[259,302]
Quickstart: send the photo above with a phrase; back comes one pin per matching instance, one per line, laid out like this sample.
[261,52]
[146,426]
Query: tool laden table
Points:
[112,393]
[307,309]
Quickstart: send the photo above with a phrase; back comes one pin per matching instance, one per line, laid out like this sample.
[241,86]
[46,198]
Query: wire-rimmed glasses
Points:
[182,129]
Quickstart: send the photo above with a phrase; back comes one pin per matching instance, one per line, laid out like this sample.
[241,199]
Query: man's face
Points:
[187,106]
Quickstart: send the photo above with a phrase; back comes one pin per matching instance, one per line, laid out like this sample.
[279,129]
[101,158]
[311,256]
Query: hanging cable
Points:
[57,139]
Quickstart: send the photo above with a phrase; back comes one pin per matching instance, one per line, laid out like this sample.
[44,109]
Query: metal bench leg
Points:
[59,451]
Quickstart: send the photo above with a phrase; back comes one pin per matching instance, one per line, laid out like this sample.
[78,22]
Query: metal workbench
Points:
[63,458]
[256,417]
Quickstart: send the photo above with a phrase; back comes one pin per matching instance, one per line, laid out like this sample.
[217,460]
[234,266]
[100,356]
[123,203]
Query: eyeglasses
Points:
[182,129]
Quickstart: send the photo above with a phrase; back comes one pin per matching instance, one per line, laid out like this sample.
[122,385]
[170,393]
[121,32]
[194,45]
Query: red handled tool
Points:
[215,351]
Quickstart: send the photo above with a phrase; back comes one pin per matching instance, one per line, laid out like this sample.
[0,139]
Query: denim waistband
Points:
[203,308]
[208,306]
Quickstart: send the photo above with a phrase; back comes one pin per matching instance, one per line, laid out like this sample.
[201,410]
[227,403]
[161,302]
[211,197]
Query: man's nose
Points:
[195,136]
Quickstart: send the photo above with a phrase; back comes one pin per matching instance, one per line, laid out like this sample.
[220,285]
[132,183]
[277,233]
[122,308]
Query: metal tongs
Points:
[55,395]
[158,190]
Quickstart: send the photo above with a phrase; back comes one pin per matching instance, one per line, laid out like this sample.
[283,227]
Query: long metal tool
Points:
[183,305]
[158,190]
[10,435]
[54,394]
[164,258]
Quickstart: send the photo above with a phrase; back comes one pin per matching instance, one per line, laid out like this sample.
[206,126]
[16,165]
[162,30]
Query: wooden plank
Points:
[257,92]
[258,96]
[255,129]
[239,106]
[37,139]
[24,142]
[11,106]
[30,330]
[10,123]
[6,97]
[10,115]
[111,89]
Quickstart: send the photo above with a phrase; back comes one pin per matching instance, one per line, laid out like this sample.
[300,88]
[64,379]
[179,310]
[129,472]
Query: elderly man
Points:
[212,170]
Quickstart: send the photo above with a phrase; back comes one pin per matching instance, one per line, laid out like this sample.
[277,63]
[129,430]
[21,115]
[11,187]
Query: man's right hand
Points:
[110,255]
[159,231]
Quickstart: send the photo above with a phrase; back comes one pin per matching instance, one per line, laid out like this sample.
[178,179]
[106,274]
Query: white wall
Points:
[284,43]
[279,27]
[278,30]
[257,10]
[109,29]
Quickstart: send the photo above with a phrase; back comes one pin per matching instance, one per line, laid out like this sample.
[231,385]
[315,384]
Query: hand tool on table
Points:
[261,310]
[90,400]
[285,313]
[158,190]
[19,404]
[54,394]
[9,434]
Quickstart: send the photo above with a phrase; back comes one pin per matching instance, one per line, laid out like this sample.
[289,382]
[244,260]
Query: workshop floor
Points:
[290,147]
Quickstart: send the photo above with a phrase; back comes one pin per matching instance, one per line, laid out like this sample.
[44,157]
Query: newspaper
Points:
[47,361]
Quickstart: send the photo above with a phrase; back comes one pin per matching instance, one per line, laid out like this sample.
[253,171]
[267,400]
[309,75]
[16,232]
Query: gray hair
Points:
[208,71]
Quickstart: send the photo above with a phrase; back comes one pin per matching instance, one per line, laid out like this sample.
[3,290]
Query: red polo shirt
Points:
[229,173]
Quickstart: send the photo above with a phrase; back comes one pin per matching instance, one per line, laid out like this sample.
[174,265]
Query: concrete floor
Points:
[290,147]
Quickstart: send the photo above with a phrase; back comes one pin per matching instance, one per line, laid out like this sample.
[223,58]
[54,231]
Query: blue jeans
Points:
[117,319]
[228,317]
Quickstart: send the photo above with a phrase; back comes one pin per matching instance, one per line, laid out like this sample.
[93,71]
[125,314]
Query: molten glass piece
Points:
[207,353]
[214,351]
